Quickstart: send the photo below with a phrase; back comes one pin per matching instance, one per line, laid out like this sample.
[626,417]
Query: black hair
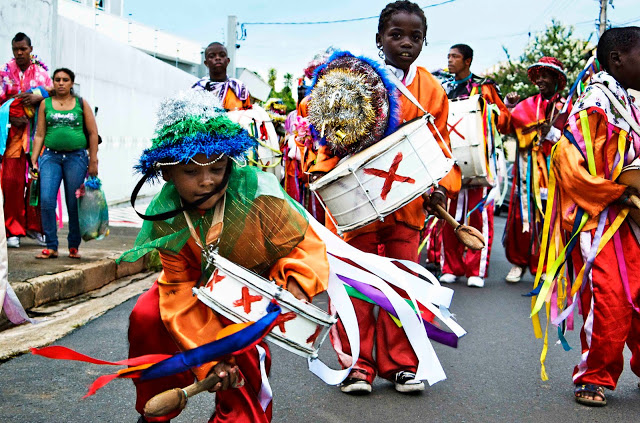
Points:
[215,43]
[620,39]
[67,71]
[467,52]
[400,6]
[21,36]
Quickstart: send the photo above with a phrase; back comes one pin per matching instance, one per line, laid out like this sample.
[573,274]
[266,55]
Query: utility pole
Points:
[602,25]
[232,22]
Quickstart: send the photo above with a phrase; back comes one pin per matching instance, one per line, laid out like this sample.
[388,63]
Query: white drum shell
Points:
[354,197]
[470,152]
[310,321]
[266,156]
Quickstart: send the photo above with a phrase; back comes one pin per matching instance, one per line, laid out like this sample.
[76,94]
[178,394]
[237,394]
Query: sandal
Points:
[73,253]
[47,254]
[594,390]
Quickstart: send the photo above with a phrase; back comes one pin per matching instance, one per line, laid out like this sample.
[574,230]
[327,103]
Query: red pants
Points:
[610,321]
[433,247]
[453,258]
[19,216]
[393,351]
[148,335]
[521,248]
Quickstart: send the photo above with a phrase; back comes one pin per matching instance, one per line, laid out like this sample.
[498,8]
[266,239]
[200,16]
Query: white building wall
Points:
[126,85]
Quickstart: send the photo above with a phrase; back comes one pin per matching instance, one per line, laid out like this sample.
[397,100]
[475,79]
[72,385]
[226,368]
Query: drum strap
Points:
[623,111]
[405,91]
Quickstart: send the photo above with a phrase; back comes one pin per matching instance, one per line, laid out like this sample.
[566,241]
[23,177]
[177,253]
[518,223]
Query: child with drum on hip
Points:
[401,33]
[211,199]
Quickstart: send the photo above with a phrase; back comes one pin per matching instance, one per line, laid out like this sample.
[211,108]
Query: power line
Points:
[336,21]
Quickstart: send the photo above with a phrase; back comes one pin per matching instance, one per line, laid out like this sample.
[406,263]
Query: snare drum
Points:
[267,156]
[471,149]
[384,177]
[243,296]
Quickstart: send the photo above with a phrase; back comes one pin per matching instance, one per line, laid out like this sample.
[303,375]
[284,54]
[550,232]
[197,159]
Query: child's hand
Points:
[294,288]
[229,375]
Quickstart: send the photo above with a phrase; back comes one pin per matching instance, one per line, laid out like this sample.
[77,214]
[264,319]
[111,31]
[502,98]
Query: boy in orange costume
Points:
[401,34]
[241,210]
[598,143]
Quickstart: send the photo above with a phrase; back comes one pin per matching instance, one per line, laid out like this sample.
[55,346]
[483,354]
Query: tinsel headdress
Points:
[193,122]
[353,103]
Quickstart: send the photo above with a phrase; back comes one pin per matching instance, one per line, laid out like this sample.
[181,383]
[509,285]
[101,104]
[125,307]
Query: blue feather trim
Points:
[186,148]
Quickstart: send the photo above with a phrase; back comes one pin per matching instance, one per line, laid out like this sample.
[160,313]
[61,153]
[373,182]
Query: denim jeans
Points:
[55,167]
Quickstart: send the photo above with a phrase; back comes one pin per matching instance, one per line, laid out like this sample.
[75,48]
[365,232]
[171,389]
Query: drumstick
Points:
[468,235]
[635,200]
[176,399]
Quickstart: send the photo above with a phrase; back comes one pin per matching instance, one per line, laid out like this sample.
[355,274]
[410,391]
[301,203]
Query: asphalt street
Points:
[493,376]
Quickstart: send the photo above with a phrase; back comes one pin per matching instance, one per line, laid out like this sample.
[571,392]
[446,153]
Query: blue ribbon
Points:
[215,350]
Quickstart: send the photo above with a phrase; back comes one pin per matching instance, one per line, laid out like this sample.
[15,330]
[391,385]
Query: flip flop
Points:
[47,254]
[73,253]
[595,390]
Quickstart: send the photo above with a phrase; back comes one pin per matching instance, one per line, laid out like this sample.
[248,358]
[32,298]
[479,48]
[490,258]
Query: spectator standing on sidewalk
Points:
[61,123]
[22,73]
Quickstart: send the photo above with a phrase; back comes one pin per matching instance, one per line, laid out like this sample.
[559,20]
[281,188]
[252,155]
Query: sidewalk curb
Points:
[82,278]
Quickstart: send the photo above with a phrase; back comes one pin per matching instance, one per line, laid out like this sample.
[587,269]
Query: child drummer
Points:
[198,151]
[401,33]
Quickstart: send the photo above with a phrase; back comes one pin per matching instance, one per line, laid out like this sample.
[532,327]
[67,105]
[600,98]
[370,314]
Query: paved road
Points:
[492,377]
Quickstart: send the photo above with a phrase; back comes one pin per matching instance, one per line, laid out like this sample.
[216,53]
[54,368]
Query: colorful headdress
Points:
[191,123]
[353,103]
[552,64]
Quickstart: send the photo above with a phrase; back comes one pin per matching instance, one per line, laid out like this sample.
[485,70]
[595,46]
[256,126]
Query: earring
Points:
[380,52]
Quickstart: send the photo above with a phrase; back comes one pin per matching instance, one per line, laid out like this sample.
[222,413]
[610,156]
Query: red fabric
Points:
[148,335]
[517,244]
[610,321]
[456,258]
[19,216]
[393,352]
[433,247]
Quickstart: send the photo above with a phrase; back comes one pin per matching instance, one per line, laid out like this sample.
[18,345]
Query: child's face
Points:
[193,181]
[402,39]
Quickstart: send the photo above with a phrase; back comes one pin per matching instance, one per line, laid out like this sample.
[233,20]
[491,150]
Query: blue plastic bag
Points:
[93,212]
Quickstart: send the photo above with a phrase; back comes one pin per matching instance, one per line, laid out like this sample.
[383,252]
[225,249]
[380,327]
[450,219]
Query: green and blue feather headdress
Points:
[193,122]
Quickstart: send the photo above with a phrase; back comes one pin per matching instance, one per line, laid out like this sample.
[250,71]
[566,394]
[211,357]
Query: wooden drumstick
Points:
[635,200]
[468,235]
[176,399]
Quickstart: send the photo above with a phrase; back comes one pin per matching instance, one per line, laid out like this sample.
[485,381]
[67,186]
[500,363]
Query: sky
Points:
[486,25]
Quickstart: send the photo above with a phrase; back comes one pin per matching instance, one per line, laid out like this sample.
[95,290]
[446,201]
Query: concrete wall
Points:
[126,85]
[36,18]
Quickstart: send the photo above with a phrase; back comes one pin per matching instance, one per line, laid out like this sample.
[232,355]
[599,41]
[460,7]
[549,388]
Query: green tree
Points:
[288,80]
[271,79]
[556,40]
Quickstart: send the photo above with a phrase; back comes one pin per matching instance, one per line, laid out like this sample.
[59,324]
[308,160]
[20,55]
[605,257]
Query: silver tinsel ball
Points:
[188,104]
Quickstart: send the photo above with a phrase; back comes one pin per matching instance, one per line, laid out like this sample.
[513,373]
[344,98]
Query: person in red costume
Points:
[454,260]
[384,347]
[19,80]
[537,122]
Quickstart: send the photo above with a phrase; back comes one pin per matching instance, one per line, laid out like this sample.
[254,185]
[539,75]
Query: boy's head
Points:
[459,59]
[619,54]
[194,146]
[402,31]
[216,60]
[22,49]
[202,176]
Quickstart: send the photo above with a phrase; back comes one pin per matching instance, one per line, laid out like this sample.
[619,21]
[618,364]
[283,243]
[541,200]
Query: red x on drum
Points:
[390,177]
[452,128]
[285,317]
[246,300]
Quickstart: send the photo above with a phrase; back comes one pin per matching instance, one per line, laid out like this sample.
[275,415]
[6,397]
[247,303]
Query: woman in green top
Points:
[60,130]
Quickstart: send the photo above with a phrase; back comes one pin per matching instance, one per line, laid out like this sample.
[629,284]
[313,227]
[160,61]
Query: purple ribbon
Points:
[433,332]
